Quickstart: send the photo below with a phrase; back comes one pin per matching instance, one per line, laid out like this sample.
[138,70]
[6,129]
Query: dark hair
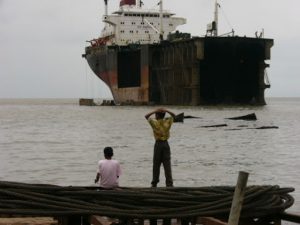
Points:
[160,115]
[108,152]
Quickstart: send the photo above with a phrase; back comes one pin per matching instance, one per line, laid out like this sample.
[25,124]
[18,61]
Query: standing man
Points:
[162,154]
[109,170]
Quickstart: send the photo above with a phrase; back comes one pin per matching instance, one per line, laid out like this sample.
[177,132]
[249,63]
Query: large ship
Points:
[144,59]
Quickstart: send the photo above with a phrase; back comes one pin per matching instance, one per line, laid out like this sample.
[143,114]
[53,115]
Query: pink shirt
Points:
[109,171]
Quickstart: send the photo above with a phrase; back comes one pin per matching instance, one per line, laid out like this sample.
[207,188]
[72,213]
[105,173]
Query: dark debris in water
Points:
[250,116]
[216,125]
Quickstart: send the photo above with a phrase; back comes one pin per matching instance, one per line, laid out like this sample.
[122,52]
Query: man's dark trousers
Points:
[162,154]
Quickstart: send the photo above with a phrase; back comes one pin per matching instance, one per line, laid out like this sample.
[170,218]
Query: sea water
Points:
[59,142]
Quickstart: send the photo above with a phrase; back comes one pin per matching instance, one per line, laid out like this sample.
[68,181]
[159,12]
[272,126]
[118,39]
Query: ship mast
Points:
[161,32]
[215,32]
[212,28]
[106,8]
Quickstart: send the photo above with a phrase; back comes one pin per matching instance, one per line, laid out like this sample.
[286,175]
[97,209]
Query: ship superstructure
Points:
[132,24]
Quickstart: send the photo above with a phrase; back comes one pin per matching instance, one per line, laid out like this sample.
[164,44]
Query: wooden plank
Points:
[101,220]
[28,221]
[209,221]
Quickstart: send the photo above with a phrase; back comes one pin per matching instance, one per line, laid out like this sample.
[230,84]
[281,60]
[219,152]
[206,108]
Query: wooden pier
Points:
[100,220]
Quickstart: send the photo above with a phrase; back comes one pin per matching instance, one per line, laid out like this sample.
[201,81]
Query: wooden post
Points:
[238,198]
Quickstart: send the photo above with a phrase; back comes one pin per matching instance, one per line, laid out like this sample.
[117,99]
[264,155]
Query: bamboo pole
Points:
[238,198]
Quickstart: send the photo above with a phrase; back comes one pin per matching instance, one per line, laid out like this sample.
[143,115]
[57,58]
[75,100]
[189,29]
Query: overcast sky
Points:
[41,42]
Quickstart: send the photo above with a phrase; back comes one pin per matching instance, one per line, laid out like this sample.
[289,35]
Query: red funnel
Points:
[127,2]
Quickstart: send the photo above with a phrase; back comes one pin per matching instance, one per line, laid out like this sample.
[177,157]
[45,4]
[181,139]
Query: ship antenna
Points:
[106,8]
[161,32]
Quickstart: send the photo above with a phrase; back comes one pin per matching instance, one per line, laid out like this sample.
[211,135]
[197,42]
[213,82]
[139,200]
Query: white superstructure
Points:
[132,24]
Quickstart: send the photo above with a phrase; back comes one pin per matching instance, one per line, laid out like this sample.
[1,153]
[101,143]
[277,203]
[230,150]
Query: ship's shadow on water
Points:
[62,144]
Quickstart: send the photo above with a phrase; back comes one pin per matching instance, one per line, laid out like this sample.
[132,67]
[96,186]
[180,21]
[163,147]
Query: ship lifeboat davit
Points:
[127,2]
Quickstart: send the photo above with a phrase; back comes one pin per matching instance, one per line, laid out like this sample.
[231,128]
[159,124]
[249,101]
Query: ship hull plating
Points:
[197,71]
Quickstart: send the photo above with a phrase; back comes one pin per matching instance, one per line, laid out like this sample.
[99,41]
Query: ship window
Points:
[126,14]
[133,14]
[133,23]
[170,24]
[147,15]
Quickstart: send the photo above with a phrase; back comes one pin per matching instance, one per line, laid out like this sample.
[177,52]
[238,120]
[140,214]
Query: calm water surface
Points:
[60,142]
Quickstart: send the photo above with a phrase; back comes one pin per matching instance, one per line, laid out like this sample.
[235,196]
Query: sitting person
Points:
[109,170]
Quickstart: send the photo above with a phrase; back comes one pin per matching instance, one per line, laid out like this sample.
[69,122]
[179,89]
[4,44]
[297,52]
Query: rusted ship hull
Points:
[125,70]
[197,71]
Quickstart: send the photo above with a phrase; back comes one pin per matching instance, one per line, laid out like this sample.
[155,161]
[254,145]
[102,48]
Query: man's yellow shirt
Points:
[161,128]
